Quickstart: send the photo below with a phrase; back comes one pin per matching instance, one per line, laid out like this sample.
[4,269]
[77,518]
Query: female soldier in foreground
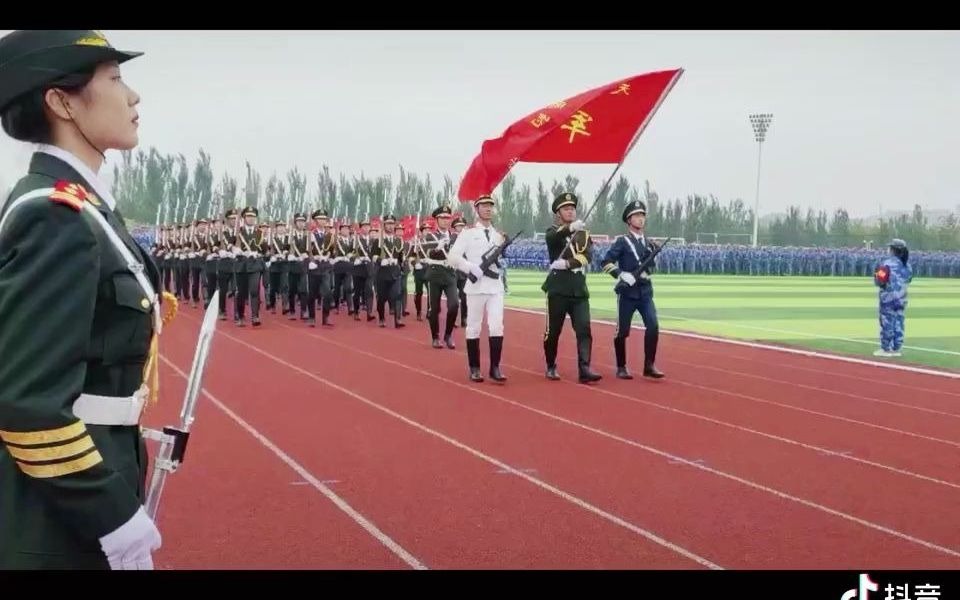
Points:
[80,315]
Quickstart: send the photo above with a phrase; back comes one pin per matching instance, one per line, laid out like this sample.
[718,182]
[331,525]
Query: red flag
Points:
[600,125]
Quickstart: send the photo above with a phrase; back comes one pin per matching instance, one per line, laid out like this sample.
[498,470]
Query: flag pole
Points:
[603,189]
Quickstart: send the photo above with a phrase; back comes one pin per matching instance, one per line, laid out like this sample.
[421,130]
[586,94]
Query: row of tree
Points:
[158,188]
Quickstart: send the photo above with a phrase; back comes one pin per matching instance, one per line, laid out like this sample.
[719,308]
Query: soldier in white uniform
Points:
[485,295]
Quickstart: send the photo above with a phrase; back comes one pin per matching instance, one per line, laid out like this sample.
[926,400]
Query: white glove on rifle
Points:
[628,278]
[475,270]
[576,225]
[129,547]
[313,265]
[560,264]
[644,275]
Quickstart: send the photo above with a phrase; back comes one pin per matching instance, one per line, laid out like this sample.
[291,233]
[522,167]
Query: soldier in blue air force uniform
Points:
[622,258]
[893,277]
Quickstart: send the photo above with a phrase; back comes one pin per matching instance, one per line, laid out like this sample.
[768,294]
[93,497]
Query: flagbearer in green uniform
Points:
[79,316]
[569,247]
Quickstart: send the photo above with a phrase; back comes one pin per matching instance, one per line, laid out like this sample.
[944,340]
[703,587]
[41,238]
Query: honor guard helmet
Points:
[31,60]
[565,199]
[633,208]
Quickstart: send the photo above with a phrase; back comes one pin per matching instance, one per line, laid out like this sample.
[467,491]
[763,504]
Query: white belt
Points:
[435,261]
[111,410]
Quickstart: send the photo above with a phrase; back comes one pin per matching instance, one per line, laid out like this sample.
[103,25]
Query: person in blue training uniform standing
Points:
[893,277]
[633,294]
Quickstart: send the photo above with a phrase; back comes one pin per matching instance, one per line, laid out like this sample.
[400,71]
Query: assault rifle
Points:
[643,264]
[491,256]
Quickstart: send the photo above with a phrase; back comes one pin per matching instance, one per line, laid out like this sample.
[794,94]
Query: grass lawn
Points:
[836,314]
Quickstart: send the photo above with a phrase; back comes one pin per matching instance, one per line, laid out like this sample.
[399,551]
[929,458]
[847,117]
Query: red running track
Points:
[727,463]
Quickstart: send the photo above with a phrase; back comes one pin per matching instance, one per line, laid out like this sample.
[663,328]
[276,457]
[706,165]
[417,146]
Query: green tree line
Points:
[155,187]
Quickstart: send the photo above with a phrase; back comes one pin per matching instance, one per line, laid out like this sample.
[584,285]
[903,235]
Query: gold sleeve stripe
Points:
[60,452]
[47,436]
[581,259]
[608,267]
[62,468]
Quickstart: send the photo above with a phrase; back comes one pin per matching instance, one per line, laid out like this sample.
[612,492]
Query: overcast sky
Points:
[861,119]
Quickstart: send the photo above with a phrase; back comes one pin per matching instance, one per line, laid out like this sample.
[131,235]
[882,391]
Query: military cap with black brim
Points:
[633,208]
[442,211]
[32,59]
[565,199]
[484,199]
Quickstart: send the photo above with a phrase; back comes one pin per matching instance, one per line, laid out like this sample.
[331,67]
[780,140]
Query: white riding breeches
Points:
[479,305]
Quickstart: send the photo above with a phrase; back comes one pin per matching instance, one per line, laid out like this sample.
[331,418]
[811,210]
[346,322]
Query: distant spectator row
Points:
[764,260]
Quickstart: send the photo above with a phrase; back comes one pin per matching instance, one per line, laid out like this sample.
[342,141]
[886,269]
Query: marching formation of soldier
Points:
[359,267]
[326,265]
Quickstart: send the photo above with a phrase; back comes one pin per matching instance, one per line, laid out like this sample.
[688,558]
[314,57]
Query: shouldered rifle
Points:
[491,256]
[643,264]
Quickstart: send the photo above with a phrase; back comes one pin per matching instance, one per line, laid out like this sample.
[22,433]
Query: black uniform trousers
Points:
[388,290]
[224,280]
[342,289]
[297,288]
[196,274]
[320,288]
[404,277]
[558,307]
[419,283]
[248,288]
[362,289]
[443,281]
[461,282]
[644,305]
[210,281]
[278,286]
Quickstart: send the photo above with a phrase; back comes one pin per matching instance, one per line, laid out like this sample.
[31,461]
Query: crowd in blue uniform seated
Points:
[746,260]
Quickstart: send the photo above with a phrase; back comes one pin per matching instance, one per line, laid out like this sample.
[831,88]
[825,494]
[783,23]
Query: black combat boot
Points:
[473,359]
[584,344]
[496,349]
[620,349]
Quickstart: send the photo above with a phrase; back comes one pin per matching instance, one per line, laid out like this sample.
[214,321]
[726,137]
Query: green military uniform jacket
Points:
[440,274]
[568,282]
[74,320]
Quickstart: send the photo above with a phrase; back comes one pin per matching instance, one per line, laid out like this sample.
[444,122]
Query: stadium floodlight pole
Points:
[760,122]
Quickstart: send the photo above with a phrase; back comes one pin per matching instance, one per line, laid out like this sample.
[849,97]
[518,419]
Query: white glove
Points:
[644,275]
[475,270]
[576,225]
[628,278]
[356,261]
[129,547]
[560,264]
[418,266]
[313,265]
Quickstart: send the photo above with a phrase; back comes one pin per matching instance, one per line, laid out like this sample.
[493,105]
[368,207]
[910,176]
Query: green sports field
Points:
[836,314]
